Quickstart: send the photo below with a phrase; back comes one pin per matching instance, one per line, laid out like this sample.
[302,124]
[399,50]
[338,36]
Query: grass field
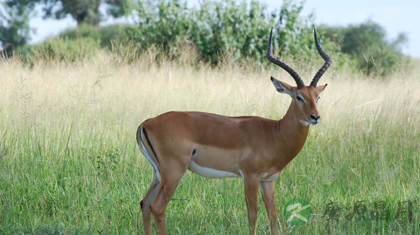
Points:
[69,163]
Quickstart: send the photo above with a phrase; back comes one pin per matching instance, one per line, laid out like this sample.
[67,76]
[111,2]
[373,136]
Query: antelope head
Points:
[304,98]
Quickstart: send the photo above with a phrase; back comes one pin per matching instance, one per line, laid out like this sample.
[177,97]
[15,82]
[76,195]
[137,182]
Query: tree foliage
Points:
[366,43]
[84,11]
[105,35]
[15,14]
[14,25]
[216,27]
[213,30]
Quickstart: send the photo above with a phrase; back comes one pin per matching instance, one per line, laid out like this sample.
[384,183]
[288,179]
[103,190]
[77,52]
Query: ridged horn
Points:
[327,63]
[292,72]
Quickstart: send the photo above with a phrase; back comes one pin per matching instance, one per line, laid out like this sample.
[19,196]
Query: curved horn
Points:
[327,63]
[292,72]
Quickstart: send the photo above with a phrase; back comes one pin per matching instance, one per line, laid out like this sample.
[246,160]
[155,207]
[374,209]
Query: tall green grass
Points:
[69,162]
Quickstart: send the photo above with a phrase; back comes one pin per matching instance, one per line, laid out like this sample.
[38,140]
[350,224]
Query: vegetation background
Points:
[70,107]
[211,30]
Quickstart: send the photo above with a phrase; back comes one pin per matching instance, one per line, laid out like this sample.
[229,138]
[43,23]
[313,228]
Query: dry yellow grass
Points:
[102,90]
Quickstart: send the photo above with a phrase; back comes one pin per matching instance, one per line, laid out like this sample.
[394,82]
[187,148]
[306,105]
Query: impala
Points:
[255,149]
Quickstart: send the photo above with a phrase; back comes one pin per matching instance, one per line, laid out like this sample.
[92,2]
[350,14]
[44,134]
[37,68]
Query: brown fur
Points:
[245,146]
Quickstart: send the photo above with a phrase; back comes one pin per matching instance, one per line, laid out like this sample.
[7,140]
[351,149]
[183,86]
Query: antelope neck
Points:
[290,136]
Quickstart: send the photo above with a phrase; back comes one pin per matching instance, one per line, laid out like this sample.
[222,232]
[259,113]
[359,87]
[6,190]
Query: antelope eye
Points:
[299,98]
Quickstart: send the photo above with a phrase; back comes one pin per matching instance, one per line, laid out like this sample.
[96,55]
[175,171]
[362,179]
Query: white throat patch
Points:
[305,123]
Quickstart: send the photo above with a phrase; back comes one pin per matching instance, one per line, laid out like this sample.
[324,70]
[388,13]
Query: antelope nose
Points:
[315,118]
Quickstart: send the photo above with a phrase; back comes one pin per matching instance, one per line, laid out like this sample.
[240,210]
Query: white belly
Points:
[209,172]
[271,178]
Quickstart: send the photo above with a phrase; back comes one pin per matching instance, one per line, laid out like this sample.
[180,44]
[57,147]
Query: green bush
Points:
[219,32]
[105,35]
[64,49]
[366,43]
[217,27]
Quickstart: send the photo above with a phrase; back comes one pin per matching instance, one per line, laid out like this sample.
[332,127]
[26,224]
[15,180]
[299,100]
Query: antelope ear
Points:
[282,87]
[321,88]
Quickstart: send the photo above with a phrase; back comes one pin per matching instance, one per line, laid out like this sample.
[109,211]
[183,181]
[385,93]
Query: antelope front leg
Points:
[268,194]
[251,197]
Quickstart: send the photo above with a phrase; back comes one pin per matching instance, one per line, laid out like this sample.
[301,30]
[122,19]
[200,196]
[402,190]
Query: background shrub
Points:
[218,31]
[366,43]
[105,34]
[64,49]
[216,27]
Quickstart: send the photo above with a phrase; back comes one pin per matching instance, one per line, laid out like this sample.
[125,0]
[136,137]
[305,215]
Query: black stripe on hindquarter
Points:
[148,142]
